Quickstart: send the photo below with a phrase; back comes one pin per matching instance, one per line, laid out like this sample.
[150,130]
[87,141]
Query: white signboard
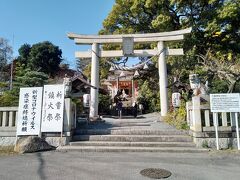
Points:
[86,100]
[52,110]
[176,99]
[29,111]
[225,102]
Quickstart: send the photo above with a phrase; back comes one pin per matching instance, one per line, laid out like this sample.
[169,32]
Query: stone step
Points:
[132,144]
[130,149]
[134,138]
[128,132]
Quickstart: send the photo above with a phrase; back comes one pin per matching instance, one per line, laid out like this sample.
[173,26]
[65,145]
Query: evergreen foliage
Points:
[25,77]
[43,57]
[215,26]
[5,58]
[104,104]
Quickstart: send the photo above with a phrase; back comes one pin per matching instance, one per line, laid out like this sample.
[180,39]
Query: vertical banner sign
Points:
[29,111]
[176,99]
[86,100]
[52,111]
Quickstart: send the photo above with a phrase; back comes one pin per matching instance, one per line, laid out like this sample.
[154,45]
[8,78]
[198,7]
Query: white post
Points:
[187,116]
[162,70]
[133,93]
[207,120]
[237,130]
[224,118]
[117,84]
[4,119]
[215,118]
[10,118]
[232,117]
[75,116]
[94,81]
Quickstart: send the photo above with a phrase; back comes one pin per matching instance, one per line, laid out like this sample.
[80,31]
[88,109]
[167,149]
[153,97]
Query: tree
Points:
[215,26]
[5,57]
[24,53]
[149,96]
[214,22]
[149,16]
[25,77]
[43,57]
[225,67]
[223,31]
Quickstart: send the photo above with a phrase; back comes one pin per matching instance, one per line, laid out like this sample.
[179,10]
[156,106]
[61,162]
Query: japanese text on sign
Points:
[225,102]
[176,99]
[52,111]
[29,111]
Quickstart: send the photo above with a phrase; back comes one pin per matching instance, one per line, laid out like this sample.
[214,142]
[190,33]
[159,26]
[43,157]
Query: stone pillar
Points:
[67,120]
[188,114]
[133,89]
[94,81]
[117,83]
[196,114]
[4,119]
[162,70]
[10,119]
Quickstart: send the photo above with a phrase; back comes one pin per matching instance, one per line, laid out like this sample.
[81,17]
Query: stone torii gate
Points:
[128,41]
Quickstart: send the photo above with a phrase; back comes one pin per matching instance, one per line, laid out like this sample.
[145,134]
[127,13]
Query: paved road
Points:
[118,166]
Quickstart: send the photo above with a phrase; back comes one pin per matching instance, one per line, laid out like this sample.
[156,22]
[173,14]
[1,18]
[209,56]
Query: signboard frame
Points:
[176,99]
[53,108]
[29,111]
[225,102]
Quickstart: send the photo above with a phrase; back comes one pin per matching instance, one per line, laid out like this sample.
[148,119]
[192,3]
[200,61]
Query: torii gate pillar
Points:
[94,82]
[163,82]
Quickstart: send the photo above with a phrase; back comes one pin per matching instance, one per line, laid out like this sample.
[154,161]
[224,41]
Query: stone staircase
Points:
[145,134]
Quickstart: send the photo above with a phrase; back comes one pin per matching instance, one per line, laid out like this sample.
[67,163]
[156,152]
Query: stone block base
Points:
[55,139]
[227,138]
[58,141]
[224,143]
[7,141]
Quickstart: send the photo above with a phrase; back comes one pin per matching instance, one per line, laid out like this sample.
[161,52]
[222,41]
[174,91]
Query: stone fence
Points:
[8,116]
[200,121]
[8,121]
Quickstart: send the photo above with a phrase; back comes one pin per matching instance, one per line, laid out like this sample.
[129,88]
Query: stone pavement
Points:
[56,165]
[149,121]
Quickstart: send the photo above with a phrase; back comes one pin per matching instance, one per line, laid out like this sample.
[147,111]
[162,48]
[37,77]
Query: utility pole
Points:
[11,73]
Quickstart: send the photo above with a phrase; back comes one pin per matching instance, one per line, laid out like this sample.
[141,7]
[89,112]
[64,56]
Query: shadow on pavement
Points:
[127,117]
[40,170]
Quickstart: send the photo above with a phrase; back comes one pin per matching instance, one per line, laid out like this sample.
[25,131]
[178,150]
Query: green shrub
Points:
[149,97]
[9,98]
[177,117]
[205,144]
[104,104]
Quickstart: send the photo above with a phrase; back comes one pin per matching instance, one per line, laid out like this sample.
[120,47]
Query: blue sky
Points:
[33,21]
